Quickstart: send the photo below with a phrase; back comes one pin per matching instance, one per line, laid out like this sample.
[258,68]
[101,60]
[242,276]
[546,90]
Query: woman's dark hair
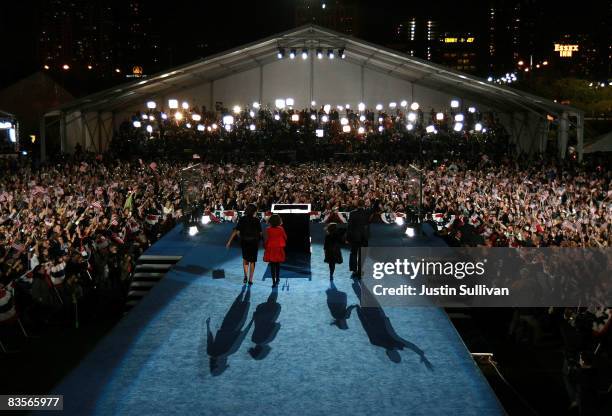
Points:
[331,227]
[275,220]
[250,210]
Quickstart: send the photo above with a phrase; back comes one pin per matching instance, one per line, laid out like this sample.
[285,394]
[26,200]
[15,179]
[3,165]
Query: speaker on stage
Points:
[296,221]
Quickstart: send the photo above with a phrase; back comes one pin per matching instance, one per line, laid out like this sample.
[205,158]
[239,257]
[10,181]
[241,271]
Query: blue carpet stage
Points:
[200,343]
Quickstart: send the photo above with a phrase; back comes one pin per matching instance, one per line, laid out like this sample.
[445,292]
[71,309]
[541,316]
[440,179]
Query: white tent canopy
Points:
[370,74]
[601,144]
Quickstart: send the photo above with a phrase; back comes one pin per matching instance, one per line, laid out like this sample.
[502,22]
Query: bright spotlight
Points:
[276,117]
[346,129]
[361,107]
[65,67]
[392,105]
[149,129]
[362,117]
[292,54]
[256,105]
[341,53]
[145,117]
[478,127]
[404,103]
[313,117]
[490,79]
[454,103]
[410,231]
[380,128]
[164,116]
[412,117]
[379,107]
[13,136]
[151,118]
[414,106]
[252,113]
[360,130]
[319,132]
[193,230]
[178,116]
[458,127]
[228,120]
[151,105]
[304,54]
[252,127]
[344,121]
[205,219]
[399,221]
[237,109]
[196,117]
[409,126]
[324,118]
[280,103]
[290,102]
[188,125]
[330,53]
[137,124]
[472,110]
[281,53]
[319,54]
[201,127]
[173,104]
[185,105]
[313,103]
[440,116]
[214,126]
[459,117]
[295,117]
[327,108]
[430,129]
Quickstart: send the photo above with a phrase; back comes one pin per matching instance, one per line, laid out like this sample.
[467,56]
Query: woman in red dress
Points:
[276,240]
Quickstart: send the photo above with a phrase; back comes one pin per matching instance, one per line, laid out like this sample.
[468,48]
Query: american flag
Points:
[37,190]
[96,205]
[18,247]
[114,220]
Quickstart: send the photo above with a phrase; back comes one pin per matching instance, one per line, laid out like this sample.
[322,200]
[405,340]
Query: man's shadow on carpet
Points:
[379,329]
[230,335]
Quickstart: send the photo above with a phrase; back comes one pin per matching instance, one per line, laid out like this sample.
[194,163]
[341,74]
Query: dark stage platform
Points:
[208,346]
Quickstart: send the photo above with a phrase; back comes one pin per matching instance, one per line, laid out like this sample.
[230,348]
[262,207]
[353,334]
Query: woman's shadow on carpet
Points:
[266,327]
[379,329]
[230,334]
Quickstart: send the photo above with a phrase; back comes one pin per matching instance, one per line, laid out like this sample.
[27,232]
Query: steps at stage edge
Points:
[149,270]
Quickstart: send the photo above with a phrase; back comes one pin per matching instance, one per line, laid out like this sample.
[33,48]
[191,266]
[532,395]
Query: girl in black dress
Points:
[333,240]
[249,231]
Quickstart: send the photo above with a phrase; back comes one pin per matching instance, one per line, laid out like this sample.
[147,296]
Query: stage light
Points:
[521,63]
[360,130]
[252,127]
[412,117]
[236,109]
[151,118]
[472,110]
[344,121]
[4,125]
[304,54]
[362,117]
[410,231]
[173,104]
[414,106]
[340,108]
[209,128]
[227,120]
[361,107]
[149,129]
[24,152]
[276,117]
[65,67]
[151,105]
[46,66]
[313,117]
[214,126]
[484,130]
[117,70]
[206,219]
[324,119]
[326,108]
[252,113]
[459,117]
[454,103]
[201,127]
[478,127]
[440,116]
[379,107]
[13,136]
[490,79]
[392,104]
[346,129]
[290,102]
[188,125]
[409,126]
[404,103]
[292,54]
[185,105]
[280,103]
[545,63]
[196,117]
[178,116]
[164,116]
[319,132]
[281,53]
[313,103]
[380,119]
[319,54]
[347,106]
[330,53]
[341,53]
[228,127]
[430,129]
[193,230]
[399,221]
[144,116]
[295,117]
[380,128]
[256,105]
[136,124]
[458,126]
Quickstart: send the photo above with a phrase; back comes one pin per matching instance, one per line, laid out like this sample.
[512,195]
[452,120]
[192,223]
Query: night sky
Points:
[221,25]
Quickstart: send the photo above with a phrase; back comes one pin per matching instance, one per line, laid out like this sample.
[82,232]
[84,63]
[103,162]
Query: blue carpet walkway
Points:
[201,343]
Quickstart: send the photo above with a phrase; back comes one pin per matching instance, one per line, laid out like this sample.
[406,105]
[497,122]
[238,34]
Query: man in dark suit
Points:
[357,235]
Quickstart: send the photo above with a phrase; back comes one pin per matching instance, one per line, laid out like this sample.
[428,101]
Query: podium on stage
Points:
[296,221]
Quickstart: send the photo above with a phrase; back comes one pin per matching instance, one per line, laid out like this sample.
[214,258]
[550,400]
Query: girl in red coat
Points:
[275,243]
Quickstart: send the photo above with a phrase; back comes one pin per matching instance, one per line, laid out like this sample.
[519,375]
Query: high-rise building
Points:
[458,51]
[417,37]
